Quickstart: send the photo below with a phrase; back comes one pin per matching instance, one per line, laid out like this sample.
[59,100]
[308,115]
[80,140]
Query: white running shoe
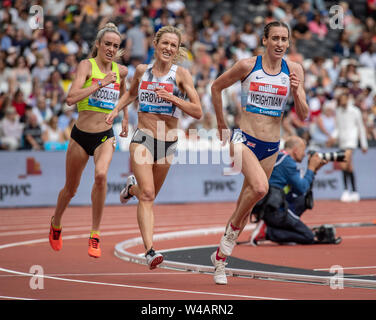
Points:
[228,241]
[124,194]
[354,197]
[219,269]
[345,197]
[153,259]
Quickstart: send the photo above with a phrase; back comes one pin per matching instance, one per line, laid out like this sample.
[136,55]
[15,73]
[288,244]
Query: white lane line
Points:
[347,268]
[45,228]
[72,229]
[120,285]
[102,274]
[28,242]
[142,287]
[360,236]
[105,233]
[14,298]
[68,229]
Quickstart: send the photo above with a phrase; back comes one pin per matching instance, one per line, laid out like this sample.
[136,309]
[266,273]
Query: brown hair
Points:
[109,27]
[182,52]
[275,24]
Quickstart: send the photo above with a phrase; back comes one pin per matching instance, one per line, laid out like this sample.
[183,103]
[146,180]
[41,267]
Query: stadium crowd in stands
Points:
[37,66]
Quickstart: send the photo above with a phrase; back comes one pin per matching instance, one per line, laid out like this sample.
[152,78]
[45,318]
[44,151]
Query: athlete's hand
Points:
[224,133]
[164,94]
[111,116]
[294,82]
[124,128]
[109,78]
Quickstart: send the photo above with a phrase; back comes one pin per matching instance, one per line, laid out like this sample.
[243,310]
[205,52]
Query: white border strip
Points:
[14,298]
[348,268]
[122,253]
[137,287]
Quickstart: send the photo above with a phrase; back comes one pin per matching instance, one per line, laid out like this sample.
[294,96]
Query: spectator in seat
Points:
[318,27]
[10,130]
[32,134]
[301,30]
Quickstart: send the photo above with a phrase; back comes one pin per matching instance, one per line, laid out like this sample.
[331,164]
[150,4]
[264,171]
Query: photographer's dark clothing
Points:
[284,224]
[287,227]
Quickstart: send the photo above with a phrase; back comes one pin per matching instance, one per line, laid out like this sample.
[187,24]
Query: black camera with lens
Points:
[331,156]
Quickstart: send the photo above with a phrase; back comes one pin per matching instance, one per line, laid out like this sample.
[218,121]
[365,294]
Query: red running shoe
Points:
[94,250]
[55,237]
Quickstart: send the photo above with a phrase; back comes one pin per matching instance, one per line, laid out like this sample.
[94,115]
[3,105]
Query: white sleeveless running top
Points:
[264,93]
[148,99]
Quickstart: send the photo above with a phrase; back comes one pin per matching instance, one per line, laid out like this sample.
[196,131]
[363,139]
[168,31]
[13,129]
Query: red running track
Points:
[71,274]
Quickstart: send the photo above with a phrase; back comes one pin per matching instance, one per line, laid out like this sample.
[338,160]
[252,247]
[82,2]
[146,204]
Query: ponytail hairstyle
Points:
[182,52]
[275,24]
[109,27]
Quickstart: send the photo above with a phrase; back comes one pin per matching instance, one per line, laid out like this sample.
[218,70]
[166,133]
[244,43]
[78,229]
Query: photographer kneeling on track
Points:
[290,194]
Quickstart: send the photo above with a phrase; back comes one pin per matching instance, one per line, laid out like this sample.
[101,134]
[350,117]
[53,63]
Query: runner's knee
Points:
[260,189]
[69,192]
[100,178]
[147,194]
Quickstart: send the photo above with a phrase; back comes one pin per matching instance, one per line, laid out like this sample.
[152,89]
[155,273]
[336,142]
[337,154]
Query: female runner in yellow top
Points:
[96,89]
[161,88]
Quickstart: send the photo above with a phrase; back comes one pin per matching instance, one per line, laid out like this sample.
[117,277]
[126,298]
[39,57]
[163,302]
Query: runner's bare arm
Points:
[132,93]
[123,89]
[123,72]
[238,72]
[297,90]
[76,92]
[129,95]
[191,107]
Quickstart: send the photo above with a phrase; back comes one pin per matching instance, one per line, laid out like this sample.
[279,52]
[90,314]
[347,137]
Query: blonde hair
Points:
[182,52]
[109,27]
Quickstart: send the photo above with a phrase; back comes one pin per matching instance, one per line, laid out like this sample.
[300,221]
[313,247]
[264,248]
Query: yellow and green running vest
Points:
[105,98]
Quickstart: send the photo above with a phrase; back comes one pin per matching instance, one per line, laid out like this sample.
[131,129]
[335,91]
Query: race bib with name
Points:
[264,98]
[106,97]
[149,100]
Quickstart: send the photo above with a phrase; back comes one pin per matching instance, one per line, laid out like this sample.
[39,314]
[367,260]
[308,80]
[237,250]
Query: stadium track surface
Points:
[71,274]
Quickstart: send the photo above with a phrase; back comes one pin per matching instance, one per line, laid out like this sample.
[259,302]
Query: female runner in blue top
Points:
[267,81]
